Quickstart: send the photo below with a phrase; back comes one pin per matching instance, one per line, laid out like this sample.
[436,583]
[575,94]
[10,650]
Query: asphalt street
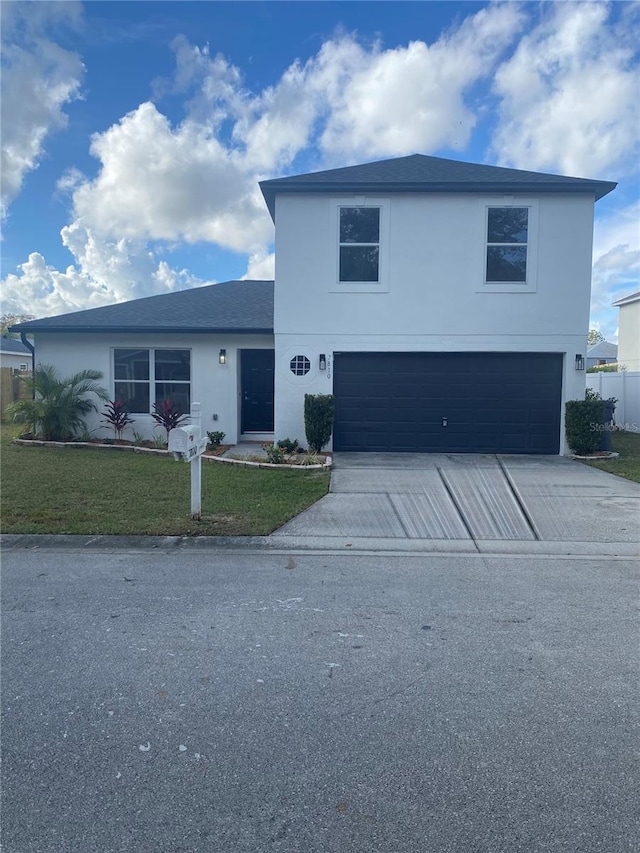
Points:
[176,700]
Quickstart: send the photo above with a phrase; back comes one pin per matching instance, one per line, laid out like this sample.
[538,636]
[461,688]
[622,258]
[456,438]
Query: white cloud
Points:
[261,265]
[42,290]
[161,183]
[413,98]
[38,79]
[569,94]
[198,181]
[104,273]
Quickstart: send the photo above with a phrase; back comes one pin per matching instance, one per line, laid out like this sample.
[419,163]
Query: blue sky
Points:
[134,133]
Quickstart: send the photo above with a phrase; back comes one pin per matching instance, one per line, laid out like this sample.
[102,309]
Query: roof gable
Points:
[422,173]
[231,306]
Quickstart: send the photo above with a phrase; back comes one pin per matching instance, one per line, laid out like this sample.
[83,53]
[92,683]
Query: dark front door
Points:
[256,368]
[471,402]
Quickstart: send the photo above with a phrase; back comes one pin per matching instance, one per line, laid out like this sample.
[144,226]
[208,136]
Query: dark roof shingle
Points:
[231,306]
[13,345]
[421,173]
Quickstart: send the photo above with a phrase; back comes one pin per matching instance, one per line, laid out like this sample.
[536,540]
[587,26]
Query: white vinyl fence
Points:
[625,386]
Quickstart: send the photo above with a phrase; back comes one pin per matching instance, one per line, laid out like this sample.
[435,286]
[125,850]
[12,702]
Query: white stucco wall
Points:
[432,296]
[215,386]
[629,336]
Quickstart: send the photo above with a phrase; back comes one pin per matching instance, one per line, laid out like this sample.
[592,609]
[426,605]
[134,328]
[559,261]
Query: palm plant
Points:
[58,406]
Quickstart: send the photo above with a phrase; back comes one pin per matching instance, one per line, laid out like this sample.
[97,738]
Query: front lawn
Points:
[627,444]
[61,490]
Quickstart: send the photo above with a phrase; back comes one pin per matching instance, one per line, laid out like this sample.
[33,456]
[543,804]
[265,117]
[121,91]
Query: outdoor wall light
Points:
[579,362]
[222,358]
[323,361]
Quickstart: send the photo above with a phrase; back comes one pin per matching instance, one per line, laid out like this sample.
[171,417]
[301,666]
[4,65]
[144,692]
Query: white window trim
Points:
[531,283]
[151,381]
[380,286]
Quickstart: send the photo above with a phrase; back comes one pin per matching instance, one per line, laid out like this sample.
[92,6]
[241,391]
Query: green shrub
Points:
[216,437]
[582,421]
[288,445]
[275,455]
[319,410]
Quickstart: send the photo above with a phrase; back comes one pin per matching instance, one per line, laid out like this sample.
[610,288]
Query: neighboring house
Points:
[629,331]
[444,304]
[601,353]
[14,354]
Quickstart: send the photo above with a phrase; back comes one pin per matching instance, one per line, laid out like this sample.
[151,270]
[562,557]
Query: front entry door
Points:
[257,367]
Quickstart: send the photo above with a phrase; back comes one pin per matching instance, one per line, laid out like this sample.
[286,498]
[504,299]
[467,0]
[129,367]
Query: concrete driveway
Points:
[471,502]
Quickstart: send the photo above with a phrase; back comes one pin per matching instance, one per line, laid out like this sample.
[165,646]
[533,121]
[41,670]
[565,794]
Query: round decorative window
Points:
[300,365]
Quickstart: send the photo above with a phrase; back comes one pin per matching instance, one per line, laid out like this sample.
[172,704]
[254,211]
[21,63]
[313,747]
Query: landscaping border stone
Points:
[87,445]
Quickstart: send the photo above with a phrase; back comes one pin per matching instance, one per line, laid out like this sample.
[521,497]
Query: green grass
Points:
[627,465]
[87,491]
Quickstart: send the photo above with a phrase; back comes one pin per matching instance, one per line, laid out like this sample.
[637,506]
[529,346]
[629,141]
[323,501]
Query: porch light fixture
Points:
[579,361]
[222,358]
[323,362]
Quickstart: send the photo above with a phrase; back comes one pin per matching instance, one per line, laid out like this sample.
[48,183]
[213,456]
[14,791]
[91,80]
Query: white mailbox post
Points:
[187,445]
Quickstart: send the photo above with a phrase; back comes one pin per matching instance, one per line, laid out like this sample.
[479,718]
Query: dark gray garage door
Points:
[448,402]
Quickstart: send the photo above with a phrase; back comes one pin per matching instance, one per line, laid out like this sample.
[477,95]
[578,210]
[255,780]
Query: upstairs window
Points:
[507,241]
[147,376]
[359,244]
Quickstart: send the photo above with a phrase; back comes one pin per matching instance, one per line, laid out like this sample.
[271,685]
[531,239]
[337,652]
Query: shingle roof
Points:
[602,349]
[13,345]
[420,173]
[231,306]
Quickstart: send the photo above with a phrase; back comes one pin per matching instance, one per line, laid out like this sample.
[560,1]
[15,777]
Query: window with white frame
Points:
[507,245]
[144,376]
[359,244]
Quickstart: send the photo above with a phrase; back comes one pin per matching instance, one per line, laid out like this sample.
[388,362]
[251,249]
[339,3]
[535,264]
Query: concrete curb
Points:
[319,544]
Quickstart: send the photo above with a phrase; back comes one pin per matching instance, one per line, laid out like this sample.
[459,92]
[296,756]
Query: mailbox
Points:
[185,443]
[182,439]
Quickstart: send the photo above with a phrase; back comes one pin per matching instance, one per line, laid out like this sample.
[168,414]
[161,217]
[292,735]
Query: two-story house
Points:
[444,304]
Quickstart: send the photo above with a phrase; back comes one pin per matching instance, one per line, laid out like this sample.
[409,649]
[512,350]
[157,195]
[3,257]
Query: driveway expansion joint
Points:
[519,500]
[451,494]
